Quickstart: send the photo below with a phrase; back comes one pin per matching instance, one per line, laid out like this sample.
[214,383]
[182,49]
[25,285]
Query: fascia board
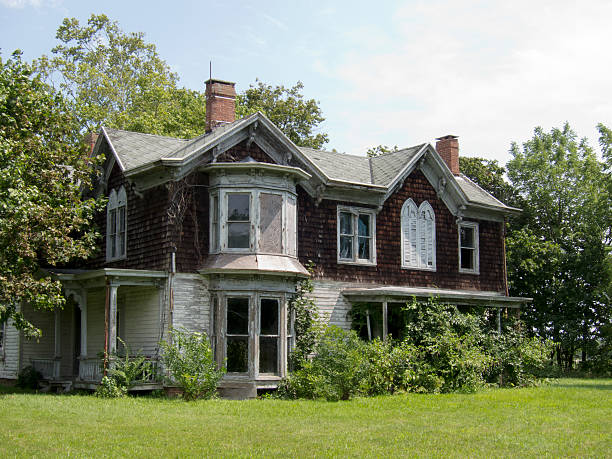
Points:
[110,144]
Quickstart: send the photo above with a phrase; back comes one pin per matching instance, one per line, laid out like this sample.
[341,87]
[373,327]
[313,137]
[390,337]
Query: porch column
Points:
[58,344]
[384,319]
[112,319]
[83,307]
[499,327]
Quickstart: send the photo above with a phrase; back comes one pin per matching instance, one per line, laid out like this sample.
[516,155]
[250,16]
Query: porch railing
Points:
[93,370]
[90,370]
[49,368]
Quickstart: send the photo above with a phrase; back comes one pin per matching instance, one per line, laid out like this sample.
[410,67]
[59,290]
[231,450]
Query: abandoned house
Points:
[213,233]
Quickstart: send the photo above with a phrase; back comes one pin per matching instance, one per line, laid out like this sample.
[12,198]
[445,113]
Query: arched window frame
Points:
[418,232]
[116,225]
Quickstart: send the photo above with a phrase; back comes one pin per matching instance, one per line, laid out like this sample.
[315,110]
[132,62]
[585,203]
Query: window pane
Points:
[467,258]
[237,354]
[364,225]
[122,218]
[238,235]
[237,316]
[346,247]
[346,223]
[364,248]
[268,318]
[270,218]
[268,355]
[238,206]
[467,236]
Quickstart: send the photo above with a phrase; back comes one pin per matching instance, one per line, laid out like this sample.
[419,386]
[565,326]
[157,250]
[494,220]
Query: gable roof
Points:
[136,153]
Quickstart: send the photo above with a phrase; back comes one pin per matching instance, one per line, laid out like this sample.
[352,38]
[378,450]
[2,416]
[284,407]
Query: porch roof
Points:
[121,276]
[460,297]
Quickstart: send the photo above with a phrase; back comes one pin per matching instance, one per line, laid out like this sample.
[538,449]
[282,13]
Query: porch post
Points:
[499,327]
[83,307]
[58,344]
[112,319]
[384,319]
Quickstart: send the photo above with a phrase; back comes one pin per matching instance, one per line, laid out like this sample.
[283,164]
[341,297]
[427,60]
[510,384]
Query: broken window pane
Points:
[237,316]
[364,248]
[346,247]
[237,354]
[270,218]
[346,223]
[364,225]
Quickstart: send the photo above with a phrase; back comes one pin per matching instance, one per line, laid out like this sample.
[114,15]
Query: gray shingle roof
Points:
[136,149]
[386,167]
[476,194]
[340,166]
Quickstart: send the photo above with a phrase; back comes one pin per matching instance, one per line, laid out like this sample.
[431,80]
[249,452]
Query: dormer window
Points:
[116,225]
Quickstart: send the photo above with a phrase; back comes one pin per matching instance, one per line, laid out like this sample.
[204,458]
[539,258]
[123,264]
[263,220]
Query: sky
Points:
[385,72]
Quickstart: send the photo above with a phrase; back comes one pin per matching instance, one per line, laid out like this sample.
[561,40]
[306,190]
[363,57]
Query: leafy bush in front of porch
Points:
[29,378]
[442,350]
[191,365]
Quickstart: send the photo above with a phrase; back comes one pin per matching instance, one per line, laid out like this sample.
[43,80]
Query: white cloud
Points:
[486,71]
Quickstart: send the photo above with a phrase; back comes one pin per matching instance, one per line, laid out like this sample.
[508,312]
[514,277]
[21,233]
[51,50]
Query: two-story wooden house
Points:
[213,233]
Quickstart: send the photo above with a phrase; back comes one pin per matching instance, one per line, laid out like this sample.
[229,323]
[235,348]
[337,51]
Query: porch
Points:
[105,309]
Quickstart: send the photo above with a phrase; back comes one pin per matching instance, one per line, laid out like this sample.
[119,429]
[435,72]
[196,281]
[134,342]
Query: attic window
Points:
[418,236]
[356,235]
[116,225]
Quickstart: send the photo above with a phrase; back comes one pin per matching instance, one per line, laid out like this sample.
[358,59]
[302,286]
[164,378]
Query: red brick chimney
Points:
[448,149]
[220,103]
[90,140]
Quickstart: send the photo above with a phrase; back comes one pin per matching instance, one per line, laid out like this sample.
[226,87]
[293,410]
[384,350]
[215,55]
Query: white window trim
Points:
[116,200]
[406,263]
[476,250]
[355,211]
[254,216]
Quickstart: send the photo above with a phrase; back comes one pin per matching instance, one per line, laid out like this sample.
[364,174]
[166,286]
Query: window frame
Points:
[475,249]
[117,204]
[224,246]
[420,222]
[278,336]
[355,213]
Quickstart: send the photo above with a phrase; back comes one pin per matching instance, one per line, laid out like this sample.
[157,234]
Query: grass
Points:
[571,417]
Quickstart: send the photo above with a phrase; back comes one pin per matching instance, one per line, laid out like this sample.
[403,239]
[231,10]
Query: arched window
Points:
[418,236]
[116,225]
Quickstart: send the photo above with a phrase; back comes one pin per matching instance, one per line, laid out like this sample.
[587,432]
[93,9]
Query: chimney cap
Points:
[216,80]
[447,137]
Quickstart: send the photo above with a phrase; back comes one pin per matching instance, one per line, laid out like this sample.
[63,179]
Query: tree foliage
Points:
[297,117]
[558,250]
[118,80]
[43,168]
[380,150]
[489,175]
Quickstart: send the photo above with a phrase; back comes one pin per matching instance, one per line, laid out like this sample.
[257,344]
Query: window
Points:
[269,336]
[237,336]
[2,333]
[356,235]
[468,247]
[116,225]
[214,223]
[418,236]
[238,220]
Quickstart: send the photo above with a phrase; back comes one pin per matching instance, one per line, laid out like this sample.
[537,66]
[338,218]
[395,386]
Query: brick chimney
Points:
[90,140]
[220,103]
[448,148]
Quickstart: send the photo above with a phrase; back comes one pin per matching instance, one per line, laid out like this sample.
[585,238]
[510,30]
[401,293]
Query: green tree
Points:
[558,252]
[489,175]
[118,80]
[297,117]
[43,168]
[380,150]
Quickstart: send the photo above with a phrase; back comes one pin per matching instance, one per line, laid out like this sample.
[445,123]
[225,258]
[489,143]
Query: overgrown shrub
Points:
[128,368]
[391,366]
[109,388]
[335,372]
[191,365]
[29,378]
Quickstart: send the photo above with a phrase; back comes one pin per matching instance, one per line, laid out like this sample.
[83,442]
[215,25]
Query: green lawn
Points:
[571,417]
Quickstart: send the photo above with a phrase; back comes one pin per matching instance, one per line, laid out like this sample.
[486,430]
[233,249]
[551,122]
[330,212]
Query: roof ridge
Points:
[145,133]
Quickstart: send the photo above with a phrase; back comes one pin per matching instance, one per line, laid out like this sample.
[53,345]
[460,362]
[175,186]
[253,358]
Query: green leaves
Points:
[43,168]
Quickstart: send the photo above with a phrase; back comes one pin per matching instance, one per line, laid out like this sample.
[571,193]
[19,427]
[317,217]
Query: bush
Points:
[109,388]
[391,367]
[190,362]
[127,369]
[335,372]
[29,378]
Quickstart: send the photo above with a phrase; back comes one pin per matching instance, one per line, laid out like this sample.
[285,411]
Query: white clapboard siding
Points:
[9,357]
[333,306]
[43,347]
[191,303]
[140,313]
